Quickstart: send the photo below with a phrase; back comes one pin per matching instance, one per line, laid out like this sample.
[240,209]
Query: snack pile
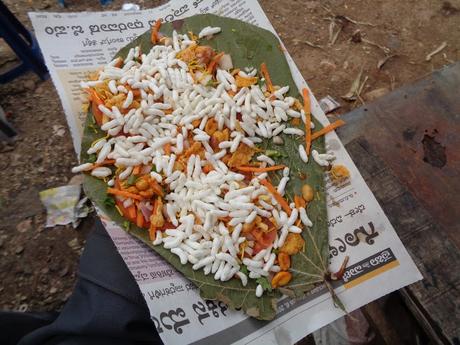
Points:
[182,156]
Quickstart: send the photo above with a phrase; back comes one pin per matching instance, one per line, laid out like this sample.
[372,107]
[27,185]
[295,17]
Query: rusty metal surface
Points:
[415,130]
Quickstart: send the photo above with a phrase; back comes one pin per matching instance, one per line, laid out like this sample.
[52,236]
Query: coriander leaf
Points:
[126,224]
[261,82]
[131,180]
[211,83]
[93,128]
[92,158]
[263,281]
[273,154]
[109,201]
[244,269]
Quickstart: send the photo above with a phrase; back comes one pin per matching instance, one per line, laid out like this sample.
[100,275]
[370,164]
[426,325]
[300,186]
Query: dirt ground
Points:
[385,42]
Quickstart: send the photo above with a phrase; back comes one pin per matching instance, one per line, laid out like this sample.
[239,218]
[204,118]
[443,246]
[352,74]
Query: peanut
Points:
[142,184]
[284,261]
[281,278]
[307,192]
[293,244]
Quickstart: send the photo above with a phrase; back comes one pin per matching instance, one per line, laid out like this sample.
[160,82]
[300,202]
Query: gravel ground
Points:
[332,42]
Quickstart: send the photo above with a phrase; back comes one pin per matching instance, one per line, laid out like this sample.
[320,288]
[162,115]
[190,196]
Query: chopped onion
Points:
[225,62]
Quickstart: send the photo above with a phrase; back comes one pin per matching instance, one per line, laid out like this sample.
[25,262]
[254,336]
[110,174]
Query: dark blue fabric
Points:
[106,306]
[23,43]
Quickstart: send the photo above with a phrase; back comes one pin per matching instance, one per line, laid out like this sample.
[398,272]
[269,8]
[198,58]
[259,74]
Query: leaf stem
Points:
[317,250]
[305,273]
[310,261]
[337,302]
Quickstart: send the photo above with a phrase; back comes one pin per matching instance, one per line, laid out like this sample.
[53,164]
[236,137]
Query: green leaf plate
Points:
[249,46]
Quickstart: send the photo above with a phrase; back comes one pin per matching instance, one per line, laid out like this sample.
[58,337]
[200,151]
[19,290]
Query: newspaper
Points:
[74,44]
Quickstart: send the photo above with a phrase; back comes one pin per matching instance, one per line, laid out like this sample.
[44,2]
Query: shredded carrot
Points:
[283,203]
[123,193]
[167,149]
[119,62]
[214,61]
[152,232]
[155,30]
[307,110]
[117,183]
[207,168]
[243,246]
[106,162]
[224,219]
[192,36]
[257,169]
[123,210]
[95,97]
[139,219]
[235,72]
[299,201]
[137,170]
[136,92]
[244,82]
[327,129]
[156,187]
[95,102]
[268,80]
[131,212]
[105,119]
[296,201]
[196,123]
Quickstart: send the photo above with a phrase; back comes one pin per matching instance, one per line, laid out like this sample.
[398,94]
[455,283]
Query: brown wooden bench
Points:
[407,147]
